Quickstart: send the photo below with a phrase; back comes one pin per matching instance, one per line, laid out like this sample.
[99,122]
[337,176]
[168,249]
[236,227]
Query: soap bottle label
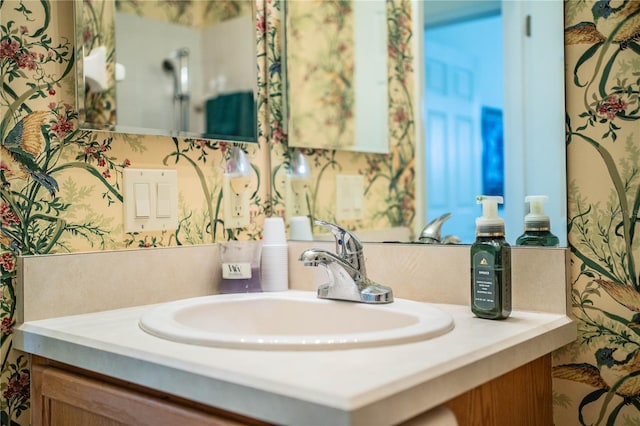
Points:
[484,291]
[236,270]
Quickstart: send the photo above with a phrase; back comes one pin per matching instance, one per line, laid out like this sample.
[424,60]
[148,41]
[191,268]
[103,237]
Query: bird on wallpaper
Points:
[9,241]
[274,69]
[625,295]
[609,16]
[610,373]
[20,150]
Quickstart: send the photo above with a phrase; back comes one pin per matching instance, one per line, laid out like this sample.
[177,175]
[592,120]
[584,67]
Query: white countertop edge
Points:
[398,401]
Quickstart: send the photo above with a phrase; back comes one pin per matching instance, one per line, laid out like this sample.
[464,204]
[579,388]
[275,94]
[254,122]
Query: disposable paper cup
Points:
[275,254]
[300,228]
[275,268]
[274,232]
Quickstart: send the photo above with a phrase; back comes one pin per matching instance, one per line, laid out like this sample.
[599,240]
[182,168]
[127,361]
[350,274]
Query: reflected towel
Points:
[231,115]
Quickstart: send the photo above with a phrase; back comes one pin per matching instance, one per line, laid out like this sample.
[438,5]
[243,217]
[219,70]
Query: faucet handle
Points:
[348,246]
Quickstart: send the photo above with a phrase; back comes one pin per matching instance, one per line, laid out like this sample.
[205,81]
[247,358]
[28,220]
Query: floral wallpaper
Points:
[97,29]
[597,379]
[321,80]
[61,187]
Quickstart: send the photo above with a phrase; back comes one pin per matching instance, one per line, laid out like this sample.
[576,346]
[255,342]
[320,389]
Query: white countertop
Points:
[380,385]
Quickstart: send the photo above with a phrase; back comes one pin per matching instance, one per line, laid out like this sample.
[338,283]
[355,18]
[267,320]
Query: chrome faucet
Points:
[346,269]
[431,233]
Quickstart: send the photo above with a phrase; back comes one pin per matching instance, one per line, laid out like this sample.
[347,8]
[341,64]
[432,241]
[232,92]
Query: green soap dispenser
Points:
[537,228]
[490,264]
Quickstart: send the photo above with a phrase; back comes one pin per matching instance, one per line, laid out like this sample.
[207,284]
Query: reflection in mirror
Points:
[531,112]
[337,91]
[168,68]
[485,134]
[463,93]
[297,183]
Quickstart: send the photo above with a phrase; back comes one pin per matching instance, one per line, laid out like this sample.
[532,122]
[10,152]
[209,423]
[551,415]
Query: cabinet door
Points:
[61,398]
[520,397]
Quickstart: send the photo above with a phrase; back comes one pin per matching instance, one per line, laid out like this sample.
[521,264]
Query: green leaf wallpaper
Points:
[61,187]
[597,379]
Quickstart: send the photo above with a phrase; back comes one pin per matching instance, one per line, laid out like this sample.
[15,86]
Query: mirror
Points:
[337,92]
[531,114]
[168,68]
[536,165]
[502,131]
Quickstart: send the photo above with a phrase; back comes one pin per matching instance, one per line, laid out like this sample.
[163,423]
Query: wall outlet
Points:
[235,198]
[150,200]
[296,197]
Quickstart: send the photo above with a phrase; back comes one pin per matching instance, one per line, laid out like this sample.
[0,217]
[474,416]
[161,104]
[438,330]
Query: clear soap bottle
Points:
[490,264]
[537,227]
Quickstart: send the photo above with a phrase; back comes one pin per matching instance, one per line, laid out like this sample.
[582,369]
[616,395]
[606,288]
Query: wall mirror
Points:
[167,68]
[523,112]
[337,91]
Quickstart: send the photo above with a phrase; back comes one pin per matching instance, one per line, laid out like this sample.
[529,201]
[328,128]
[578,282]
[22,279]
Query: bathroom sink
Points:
[293,320]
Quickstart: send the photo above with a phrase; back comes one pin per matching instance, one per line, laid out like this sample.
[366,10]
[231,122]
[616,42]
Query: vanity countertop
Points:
[379,385]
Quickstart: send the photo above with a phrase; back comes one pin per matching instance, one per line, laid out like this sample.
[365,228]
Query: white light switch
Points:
[141,195]
[150,200]
[163,208]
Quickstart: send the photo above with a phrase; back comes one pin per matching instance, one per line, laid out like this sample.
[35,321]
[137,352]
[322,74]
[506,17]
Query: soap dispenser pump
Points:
[537,227]
[490,263]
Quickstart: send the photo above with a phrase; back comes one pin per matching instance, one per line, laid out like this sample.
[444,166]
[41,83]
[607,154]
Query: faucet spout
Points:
[431,234]
[319,257]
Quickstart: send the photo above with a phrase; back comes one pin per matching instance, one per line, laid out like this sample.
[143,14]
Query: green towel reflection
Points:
[231,116]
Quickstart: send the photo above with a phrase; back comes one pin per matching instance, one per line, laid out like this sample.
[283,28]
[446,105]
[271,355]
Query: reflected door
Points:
[453,143]
[530,96]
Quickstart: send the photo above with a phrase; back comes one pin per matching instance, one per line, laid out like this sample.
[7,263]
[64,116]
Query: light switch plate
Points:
[162,202]
[349,197]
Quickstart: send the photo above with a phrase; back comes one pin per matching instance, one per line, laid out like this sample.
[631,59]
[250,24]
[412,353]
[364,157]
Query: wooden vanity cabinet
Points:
[62,395]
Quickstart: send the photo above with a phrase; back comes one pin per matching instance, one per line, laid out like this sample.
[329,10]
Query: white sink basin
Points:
[293,320]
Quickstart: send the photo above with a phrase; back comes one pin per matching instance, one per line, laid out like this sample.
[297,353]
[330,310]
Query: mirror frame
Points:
[80,93]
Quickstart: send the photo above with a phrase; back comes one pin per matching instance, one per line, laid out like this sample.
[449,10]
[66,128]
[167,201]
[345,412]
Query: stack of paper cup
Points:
[300,228]
[274,265]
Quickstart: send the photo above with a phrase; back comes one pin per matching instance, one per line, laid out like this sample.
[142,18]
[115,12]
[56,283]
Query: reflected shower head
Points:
[167,66]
